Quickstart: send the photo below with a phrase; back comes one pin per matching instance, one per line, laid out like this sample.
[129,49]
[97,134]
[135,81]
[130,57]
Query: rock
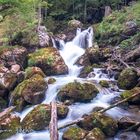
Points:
[39,118]
[20,76]
[128,93]
[49,60]
[15,68]
[77,92]
[3,104]
[3,91]
[95,134]
[126,122]
[85,71]
[104,83]
[31,90]
[9,80]
[31,71]
[13,55]
[128,136]
[128,79]
[75,24]
[74,133]
[108,125]
[51,80]
[9,126]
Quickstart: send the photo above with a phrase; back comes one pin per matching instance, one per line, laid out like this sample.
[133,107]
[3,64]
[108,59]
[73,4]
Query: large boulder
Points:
[74,133]
[31,91]
[30,71]
[9,126]
[128,93]
[13,55]
[77,92]
[39,118]
[108,125]
[49,60]
[95,134]
[128,79]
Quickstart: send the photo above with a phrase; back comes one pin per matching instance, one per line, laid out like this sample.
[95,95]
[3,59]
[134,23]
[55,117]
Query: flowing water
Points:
[70,52]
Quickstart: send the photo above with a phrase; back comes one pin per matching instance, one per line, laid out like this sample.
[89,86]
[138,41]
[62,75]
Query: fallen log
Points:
[6,112]
[133,127]
[53,122]
[101,111]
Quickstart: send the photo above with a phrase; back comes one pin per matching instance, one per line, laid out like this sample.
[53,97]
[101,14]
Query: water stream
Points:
[70,52]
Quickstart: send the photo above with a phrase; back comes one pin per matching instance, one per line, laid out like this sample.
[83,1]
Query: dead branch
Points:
[53,122]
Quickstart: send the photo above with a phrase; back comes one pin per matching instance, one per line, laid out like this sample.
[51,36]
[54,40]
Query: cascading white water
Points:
[70,52]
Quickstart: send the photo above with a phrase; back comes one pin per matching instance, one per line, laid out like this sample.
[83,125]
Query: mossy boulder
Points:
[11,55]
[85,71]
[77,92]
[95,134]
[51,80]
[49,60]
[104,83]
[127,79]
[3,104]
[74,133]
[108,125]
[30,71]
[39,118]
[129,93]
[31,91]
[9,126]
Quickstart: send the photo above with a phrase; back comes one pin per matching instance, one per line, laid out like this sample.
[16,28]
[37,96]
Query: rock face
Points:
[77,92]
[128,79]
[74,133]
[40,116]
[31,91]
[95,134]
[128,93]
[49,60]
[9,126]
[30,71]
[105,123]
[13,55]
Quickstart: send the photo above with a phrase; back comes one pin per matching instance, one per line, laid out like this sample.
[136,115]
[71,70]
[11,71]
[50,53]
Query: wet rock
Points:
[49,60]
[9,126]
[31,90]
[95,134]
[30,71]
[126,122]
[3,104]
[104,83]
[128,136]
[13,55]
[75,24]
[108,125]
[77,92]
[85,71]
[128,79]
[51,80]
[128,93]
[74,133]
[39,118]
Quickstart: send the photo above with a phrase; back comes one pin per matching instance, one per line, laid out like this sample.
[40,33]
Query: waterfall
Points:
[70,52]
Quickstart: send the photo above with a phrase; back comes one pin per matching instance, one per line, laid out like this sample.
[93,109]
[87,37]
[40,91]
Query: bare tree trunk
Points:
[53,122]
[108,11]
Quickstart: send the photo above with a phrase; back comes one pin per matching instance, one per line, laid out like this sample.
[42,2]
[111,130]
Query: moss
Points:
[74,133]
[95,134]
[85,71]
[51,80]
[10,126]
[104,83]
[77,92]
[28,88]
[127,78]
[30,71]
[62,111]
